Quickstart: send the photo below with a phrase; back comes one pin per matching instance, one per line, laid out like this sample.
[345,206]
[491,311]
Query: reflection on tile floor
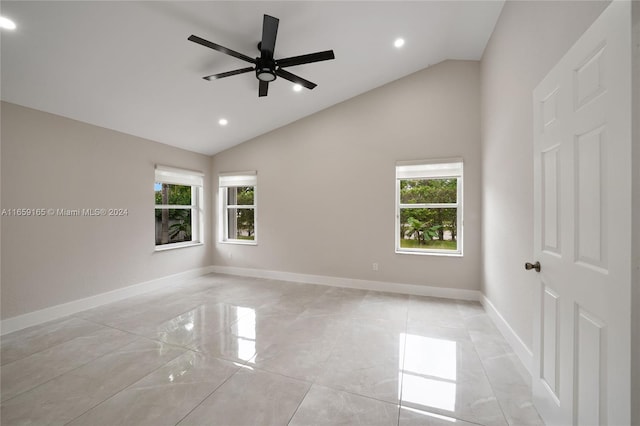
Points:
[224,350]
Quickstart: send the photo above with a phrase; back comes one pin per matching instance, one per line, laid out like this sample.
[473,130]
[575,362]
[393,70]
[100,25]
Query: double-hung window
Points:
[429,207]
[178,207]
[237,196]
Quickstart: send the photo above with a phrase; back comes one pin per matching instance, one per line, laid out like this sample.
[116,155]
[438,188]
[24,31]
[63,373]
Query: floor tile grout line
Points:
[77,317]
[451,416]
[126,387]
[185,350]
[240,367]
[53,346]
[400,405]
[169,319]
[208,395]
[351,392]
[151,339]
[491,384]
[113,327]
[137,336]
[314,381]
[333,388]
[72,370]
[404,355]
[300,403]
[489,381]
[475,349]
[45,349]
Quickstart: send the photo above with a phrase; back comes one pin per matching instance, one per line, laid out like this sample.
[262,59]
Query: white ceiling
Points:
[128,66]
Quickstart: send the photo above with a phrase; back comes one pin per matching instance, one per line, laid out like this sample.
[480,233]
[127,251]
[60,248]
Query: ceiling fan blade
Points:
[219,48]
[306,59]
[228,73]
[295,79]
[269,33]
[263,89]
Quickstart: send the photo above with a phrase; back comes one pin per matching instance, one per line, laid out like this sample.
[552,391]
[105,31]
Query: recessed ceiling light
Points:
[7,23]
[399,42]
[223,122]
[297,87]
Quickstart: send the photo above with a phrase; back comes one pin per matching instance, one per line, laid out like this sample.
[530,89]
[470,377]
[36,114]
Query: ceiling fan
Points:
[266,67]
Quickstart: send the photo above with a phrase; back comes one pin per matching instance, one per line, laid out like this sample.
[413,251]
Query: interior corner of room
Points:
[325,196]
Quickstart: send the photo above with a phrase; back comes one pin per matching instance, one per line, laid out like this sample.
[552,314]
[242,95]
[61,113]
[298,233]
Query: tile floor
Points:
[224,350]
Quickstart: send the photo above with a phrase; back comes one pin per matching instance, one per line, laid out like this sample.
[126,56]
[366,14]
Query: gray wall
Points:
[635,262]
[326,184]
[52,162]
[529,38]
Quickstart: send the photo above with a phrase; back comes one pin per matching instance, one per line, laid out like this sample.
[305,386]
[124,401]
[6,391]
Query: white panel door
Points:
[582,222]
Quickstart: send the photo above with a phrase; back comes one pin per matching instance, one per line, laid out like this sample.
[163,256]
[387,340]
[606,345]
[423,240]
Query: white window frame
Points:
[236,179]
[195,179]
[431,169]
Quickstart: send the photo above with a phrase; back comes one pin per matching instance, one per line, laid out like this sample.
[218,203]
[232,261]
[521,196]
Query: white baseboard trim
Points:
[520,349]
[19,322]
[418,290]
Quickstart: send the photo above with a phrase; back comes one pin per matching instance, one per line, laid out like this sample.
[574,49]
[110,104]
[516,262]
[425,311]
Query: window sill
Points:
[430,253]
[239,242]
[166,247]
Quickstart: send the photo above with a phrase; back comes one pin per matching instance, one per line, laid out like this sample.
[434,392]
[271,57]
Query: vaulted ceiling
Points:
[128,65]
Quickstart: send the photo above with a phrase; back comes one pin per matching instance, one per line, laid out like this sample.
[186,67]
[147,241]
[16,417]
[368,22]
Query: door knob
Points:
[529,266]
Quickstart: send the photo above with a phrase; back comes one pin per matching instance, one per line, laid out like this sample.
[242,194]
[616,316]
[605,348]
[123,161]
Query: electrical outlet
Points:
[374,266]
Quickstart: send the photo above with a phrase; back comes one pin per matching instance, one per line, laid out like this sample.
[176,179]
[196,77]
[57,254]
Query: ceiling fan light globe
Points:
[265,74]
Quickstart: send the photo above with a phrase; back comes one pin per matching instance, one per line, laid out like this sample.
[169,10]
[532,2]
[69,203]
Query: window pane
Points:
[241,225]
[429,228]
[240,195]
[413,191]
[167,193]
[173,226]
